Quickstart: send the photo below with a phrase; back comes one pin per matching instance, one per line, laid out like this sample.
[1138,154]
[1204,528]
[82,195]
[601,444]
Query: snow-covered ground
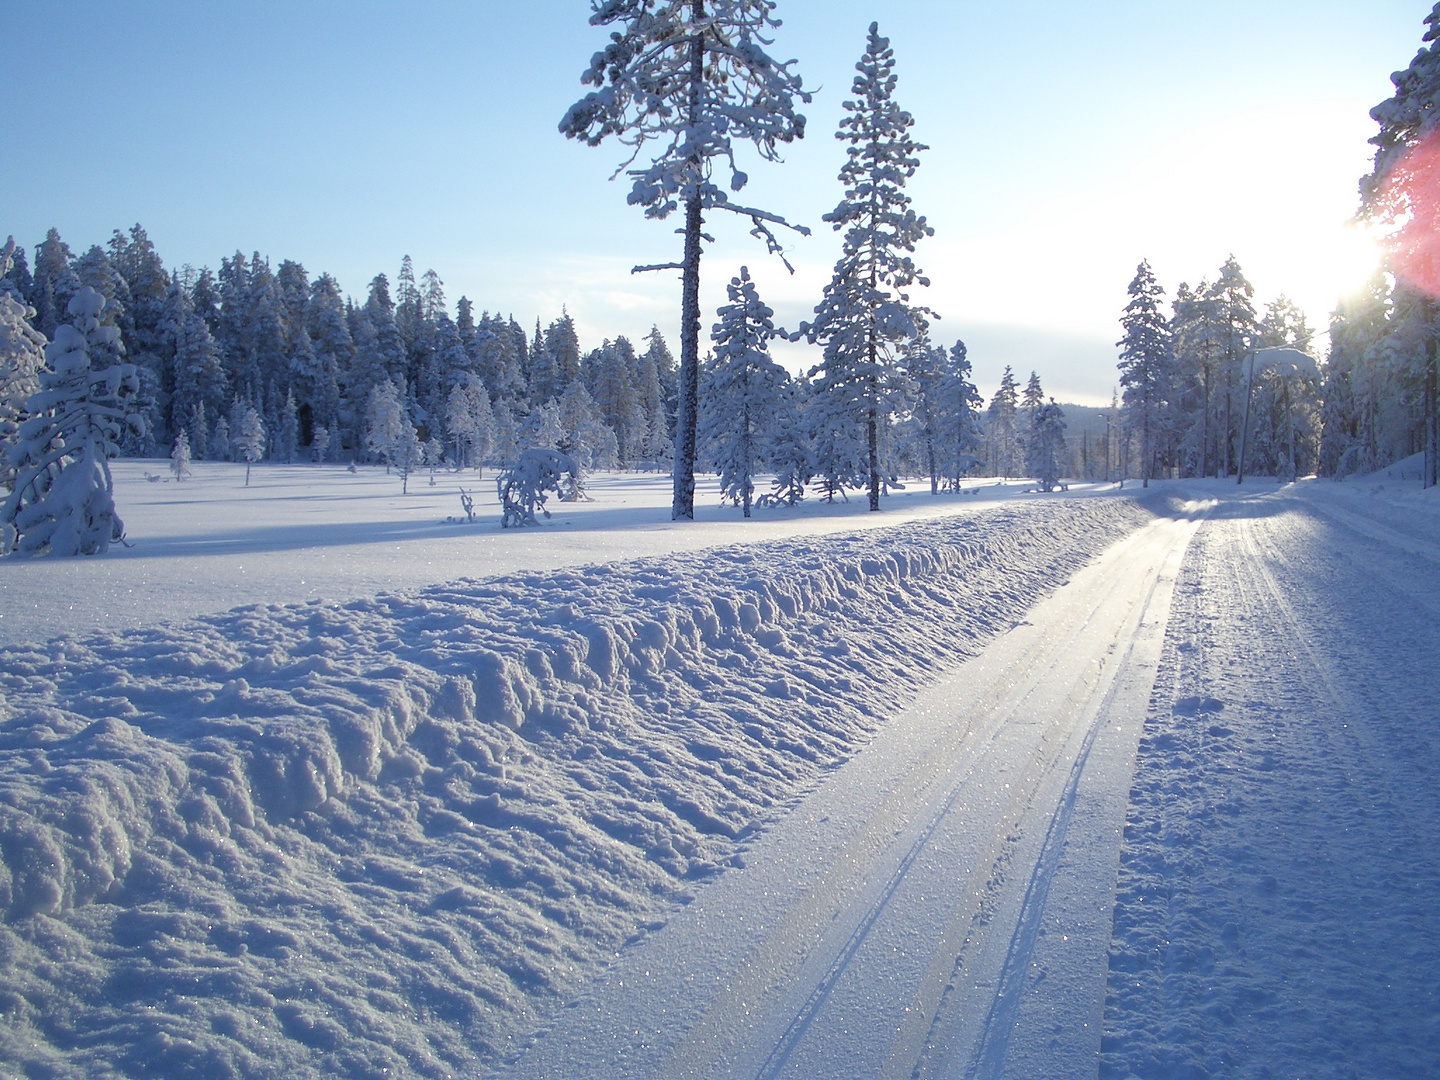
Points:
[379,835]
[304,532]
[423,806]
[1279,898]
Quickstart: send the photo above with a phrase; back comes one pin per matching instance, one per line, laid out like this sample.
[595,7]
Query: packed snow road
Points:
[941,905]
[1277,908]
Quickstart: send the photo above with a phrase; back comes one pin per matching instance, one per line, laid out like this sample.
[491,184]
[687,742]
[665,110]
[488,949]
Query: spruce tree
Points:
[63,499]
[1001,417]
[691,77]
[743,392]
[22,354]
[959,424]
[1145,364]
[866,310]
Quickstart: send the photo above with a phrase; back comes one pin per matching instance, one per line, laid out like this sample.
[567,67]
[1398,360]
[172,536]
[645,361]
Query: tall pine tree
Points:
[866,310]
[693,78]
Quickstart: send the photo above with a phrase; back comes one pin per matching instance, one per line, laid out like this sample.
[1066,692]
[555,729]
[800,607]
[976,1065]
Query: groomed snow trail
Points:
[941,905]
[1277,913]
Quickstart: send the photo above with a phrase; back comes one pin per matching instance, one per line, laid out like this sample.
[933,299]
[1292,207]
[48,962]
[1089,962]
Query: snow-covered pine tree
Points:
[385,422]
[866,308]
[924,370]
[1045,449]
[693,78]
[470,422]
[63,499]
[287,443]
[1402,196]
[742,393]
[199,381]
[220,448]
[22,354]
[959,421]
[1234,312]
[249,440]
[180,456]
[55,283]
[1146,362]
[789,452]
[1001,422]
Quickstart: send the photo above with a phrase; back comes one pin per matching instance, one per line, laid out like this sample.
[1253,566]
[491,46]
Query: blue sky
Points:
[1067,142]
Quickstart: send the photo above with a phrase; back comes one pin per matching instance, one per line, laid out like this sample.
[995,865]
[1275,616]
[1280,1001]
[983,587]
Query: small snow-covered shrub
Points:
[523,487]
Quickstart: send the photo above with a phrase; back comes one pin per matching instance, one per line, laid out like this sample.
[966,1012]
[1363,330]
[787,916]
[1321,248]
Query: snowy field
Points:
[308,532]
[439,787]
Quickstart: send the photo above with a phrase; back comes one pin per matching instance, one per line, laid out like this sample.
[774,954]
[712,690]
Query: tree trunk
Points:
[1432,416]
[683,504]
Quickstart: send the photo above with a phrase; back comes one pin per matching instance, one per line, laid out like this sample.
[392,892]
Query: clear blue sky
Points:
[1068,141]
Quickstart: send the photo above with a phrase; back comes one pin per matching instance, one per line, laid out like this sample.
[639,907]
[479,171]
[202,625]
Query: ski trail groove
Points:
[892,923]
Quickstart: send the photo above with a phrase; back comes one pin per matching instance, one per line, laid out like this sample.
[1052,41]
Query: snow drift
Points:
[380,837]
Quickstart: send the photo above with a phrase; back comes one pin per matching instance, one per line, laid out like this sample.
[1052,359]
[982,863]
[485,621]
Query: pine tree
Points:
[1045,450]
[198,377]
[693,77]
[180,456]
[742,392]
[22,354]
[287,442]
[1234,311]
[866,309]
[54,283]
[1146,360]
[220,449]
[249,440]
[385,422]
[63,498]
[1001,417]
[959,422]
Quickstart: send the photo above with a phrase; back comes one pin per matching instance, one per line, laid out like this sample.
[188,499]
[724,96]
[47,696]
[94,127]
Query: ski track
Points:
[940,906]
[384,837]
[1276,910]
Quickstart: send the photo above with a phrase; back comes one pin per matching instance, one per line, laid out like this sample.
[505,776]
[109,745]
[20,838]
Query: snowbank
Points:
[378,837]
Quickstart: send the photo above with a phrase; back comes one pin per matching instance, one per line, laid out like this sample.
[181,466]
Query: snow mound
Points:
[380,837]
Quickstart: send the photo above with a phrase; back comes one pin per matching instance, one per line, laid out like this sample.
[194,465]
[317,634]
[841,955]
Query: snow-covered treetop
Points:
[881,229]
[1410,115]
[687,78]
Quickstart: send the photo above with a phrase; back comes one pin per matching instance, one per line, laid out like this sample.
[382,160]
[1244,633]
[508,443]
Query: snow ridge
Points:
[382,837]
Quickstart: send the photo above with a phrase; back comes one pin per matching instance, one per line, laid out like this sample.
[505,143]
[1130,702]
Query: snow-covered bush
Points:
[524,486]
[63,499]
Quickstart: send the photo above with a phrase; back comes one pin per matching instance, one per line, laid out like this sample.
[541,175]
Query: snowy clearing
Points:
[846,799]
[307,532]
[377,837]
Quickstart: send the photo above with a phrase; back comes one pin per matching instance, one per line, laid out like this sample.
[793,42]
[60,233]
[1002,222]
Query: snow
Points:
[380,836]
[723,797]
[307,532]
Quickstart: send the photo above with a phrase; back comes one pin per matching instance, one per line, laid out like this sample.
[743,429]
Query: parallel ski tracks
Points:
[893,924]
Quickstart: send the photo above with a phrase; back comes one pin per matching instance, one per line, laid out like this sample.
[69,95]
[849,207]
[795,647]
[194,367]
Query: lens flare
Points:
[1410,202]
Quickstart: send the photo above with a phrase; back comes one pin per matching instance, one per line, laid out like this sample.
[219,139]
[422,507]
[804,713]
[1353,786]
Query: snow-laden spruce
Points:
[1146,365]
[745,395]
[866,310]
[22,353]
[689,78]
[63,500]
